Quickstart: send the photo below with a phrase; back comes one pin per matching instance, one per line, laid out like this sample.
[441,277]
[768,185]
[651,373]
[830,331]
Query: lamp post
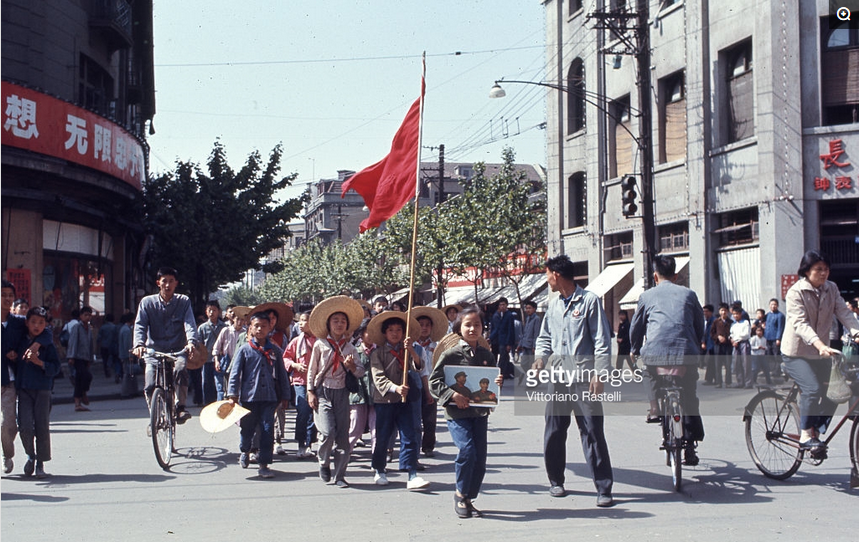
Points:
[643,141]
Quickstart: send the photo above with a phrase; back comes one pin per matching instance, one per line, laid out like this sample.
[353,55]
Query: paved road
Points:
[106,485]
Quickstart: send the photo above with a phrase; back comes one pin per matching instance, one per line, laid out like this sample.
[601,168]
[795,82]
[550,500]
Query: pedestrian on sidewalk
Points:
[720,332]
[468,425]
[741,332]
[107,335]
[79,355]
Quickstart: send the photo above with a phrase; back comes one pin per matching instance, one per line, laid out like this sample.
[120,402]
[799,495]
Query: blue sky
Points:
[333,80]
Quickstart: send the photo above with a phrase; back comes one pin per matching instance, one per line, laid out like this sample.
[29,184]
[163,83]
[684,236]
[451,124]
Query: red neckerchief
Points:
[337,346]
[266,353]
[425,343]
[399,356]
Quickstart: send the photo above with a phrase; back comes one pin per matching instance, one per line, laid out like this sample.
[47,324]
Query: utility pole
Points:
[441,198]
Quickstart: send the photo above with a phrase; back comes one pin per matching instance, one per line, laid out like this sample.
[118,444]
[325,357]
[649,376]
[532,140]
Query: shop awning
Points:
[528,287]
[610,276]
[630,300]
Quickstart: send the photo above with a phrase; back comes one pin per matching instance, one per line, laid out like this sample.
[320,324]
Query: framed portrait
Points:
[476,383]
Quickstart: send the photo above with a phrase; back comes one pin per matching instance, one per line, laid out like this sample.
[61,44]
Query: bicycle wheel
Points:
[674,419]
[772,435]
[162,428]
[854,453]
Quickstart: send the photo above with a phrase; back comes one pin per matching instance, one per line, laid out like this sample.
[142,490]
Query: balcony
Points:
[111,19]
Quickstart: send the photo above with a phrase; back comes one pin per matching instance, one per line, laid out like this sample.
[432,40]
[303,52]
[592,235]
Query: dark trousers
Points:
[261,416]
[722,353]
[429,413]
[503,361]
[589,418]
[83,377]
[693,426]
[469,436]
[34,423]
[388,417]
[196,384]
[210,391]
[710,364]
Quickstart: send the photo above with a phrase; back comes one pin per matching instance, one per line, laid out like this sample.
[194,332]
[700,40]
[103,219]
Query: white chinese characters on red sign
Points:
[833,158]
[44,124]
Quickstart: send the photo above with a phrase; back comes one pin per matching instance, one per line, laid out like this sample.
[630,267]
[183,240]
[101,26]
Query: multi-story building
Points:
[755,145]
[78,95]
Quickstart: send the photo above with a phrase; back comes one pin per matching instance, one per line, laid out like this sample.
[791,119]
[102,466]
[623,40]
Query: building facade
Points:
[78,95]
[754,127]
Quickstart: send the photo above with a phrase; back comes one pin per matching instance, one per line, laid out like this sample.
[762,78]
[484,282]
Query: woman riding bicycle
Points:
[812,302]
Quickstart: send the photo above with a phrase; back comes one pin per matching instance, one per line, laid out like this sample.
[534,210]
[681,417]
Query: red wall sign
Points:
[786,282]
[44,124]
[834,158]
[21,279]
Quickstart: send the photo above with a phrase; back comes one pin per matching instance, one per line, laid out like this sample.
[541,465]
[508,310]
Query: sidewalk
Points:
[101,389]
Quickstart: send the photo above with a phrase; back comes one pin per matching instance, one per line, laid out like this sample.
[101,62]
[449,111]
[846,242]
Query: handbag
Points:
[352,383]
[838,390]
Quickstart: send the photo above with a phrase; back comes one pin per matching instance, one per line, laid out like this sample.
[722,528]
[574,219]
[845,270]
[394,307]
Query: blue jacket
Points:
[502,330]
[165,327]
[254,378]
[774,326]
[32,377]
[672,320]
[708,339]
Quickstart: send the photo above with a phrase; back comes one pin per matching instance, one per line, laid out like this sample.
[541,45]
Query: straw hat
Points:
[446,307]
[339,303]
[366,304]
[449,341]
[374,328]
[220,415]
[242,312]
[284,313]
[201,355]
[439,320]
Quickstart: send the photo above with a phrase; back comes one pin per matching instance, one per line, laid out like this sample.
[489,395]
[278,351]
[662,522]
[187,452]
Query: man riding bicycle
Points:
[670,318]
[165,323]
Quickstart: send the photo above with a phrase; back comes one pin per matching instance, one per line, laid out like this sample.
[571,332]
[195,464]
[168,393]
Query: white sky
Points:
[332,80]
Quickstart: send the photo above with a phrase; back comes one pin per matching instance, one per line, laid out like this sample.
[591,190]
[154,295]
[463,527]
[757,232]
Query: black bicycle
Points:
[162,407]
[673,437]
[772,431]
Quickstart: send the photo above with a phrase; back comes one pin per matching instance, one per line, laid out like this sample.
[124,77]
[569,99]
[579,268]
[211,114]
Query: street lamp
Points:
[643,141]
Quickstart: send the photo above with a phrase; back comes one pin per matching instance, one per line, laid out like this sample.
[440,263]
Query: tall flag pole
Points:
[417,199]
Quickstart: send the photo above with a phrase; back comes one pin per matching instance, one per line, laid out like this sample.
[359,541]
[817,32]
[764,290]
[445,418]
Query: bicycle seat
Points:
[671,370]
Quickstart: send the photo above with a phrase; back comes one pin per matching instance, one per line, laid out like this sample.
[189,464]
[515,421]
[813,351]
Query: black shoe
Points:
[690,457]
[29,467]
[605,501]
[243,460]
[809,444]
[474,511]
[40,470]
[182,415]
[343,484]
[429,453]
[460,506]
[325,473]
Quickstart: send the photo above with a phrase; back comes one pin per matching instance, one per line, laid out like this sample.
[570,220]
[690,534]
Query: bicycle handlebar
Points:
[173,356]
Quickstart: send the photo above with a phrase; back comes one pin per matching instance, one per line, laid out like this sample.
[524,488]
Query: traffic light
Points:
[628,196]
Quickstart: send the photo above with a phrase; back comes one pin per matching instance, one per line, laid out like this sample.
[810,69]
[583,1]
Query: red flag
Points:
[390,183]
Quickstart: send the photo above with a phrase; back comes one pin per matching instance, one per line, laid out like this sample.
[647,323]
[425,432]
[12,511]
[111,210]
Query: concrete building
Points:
[78,93]
[755,145]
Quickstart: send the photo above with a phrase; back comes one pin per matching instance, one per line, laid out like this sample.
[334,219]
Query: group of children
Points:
[350,373]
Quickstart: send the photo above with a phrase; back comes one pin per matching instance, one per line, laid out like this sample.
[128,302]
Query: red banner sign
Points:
[44,124]
[21,279]
[786,282]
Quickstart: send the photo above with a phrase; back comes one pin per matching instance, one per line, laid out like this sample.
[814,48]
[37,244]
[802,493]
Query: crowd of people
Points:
[361,373]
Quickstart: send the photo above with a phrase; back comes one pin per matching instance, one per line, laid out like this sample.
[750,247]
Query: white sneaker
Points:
[8,465]
[149,431]
[417,483]
[381,479]
[279,450]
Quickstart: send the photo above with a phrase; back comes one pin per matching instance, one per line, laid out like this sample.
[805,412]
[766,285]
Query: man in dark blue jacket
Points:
[502,336]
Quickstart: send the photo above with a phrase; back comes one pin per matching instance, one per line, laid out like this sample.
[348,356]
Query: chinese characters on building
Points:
[833,158]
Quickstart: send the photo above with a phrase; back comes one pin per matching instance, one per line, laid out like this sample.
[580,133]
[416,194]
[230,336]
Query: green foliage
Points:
[213,226]
[241,295]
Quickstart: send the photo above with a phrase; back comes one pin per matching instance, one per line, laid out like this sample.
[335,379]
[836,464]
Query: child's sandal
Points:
[461,507]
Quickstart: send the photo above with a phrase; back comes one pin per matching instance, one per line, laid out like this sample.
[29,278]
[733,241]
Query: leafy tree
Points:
[241,295]
[212,226]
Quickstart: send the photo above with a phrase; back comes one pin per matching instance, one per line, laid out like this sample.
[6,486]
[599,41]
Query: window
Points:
[672,118]
[577,200]
[618,246]
[95,87]
[674,237]
[618,5]
[738,227]
[575,6]
[622,143]
[839,75]
[576,97]
[740,93]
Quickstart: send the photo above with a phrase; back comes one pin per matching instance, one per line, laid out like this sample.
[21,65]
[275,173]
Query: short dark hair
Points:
[125,318]
[503,300]
[708,307]
[530,304]
[37,311]
[665,266]
[623,313]
[20,301]
[108,317]
[424,317]
[724,306]
[809,259]
[260,315]
[471,309]
[391,321]
[853,302]
[213,303]
[86,309]
[774,299]
[163,271]
[563,266]
[75,314]
[380,299]
[7,284]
